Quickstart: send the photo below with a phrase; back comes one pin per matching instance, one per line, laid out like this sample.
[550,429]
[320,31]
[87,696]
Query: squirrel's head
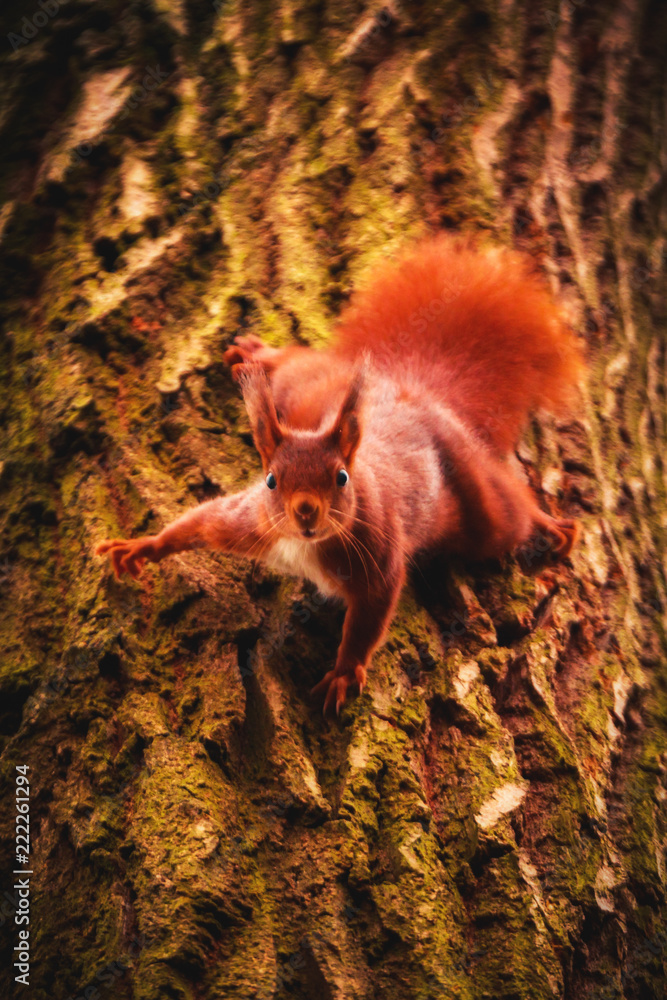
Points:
[308,474]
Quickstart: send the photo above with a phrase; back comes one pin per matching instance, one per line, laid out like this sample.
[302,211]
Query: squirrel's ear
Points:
[346,431]
[266,430]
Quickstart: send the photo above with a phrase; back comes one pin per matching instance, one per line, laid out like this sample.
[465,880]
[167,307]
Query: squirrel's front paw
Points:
[128,555]
[335,683]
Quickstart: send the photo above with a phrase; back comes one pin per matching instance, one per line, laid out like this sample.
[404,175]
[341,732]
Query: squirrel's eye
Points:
[342,478]
[271,481]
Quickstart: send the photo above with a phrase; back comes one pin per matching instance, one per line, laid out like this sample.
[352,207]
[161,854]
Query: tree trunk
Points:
[488,820]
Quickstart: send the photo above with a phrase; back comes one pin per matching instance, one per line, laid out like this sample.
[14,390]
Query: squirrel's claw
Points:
[127,555]
[242,350]
[339,689]
[249,342]
[103,547]
[334,686]
[553,542]
[568,535]
[234,356]
[323,685]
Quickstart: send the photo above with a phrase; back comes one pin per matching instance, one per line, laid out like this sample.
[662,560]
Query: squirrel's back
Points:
[476,326]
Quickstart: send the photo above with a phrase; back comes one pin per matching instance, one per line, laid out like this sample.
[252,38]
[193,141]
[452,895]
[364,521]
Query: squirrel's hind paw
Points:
[553,543]
[250,350]
[568,533]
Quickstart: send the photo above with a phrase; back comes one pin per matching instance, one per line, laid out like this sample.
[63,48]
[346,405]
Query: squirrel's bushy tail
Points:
[477,326]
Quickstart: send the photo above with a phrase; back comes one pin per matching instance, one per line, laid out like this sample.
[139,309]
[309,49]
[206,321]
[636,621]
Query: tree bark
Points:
[488,820]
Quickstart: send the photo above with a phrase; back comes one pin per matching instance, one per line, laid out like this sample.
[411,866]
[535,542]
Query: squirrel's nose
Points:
[306,509]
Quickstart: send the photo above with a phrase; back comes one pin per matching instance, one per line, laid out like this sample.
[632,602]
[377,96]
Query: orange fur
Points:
[478,327]
[394,441]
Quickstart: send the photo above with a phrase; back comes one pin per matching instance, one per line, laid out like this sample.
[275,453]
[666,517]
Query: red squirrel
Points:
[393,441]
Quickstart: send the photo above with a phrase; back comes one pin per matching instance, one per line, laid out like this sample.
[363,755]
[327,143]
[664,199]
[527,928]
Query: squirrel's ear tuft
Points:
[346,432]
[266,430]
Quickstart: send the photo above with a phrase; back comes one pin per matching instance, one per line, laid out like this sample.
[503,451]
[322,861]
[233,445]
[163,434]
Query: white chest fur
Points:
[291,555]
